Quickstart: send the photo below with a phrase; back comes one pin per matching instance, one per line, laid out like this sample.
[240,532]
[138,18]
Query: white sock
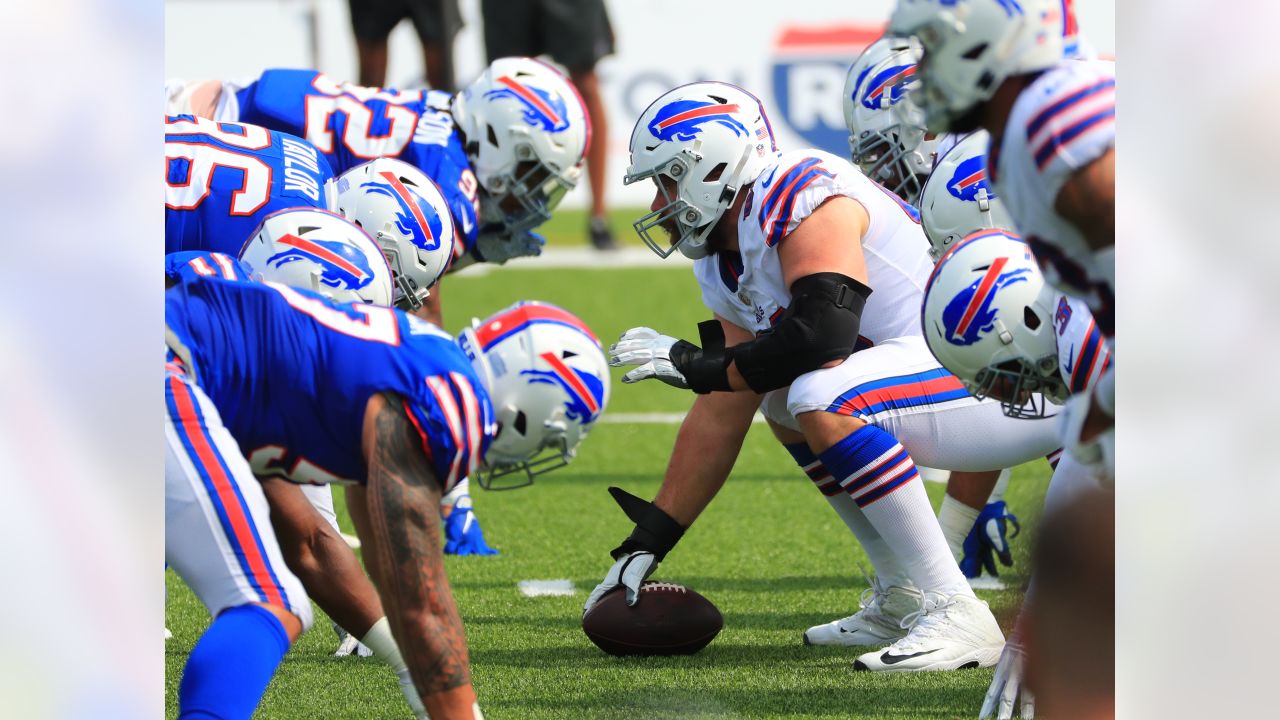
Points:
[883,561]
[1002,484]
[383,645]
[461,490]
[956,520]
[880,476]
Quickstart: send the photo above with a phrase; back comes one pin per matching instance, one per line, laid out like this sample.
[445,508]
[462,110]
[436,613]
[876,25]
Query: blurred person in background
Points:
[436,21]
[576,34]
[1070,621]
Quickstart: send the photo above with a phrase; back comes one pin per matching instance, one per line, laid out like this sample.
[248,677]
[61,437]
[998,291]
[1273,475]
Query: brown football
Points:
[669,619]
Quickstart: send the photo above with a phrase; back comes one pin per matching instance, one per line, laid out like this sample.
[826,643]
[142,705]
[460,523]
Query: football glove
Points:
[655,534]
[500,245]
[678,363]
[987,541]
[462,533]
[1006,686]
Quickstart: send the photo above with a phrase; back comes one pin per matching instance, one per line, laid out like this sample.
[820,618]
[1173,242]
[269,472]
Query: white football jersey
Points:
[1059,124]
[1083,353]
[747,288]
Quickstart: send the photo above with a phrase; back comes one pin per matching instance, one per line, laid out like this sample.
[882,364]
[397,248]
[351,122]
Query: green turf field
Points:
[769,552]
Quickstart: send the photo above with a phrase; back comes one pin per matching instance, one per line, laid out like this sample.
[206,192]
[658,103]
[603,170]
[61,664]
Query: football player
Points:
[824,338]
[264,380]
[504,150]
[1033,341]
[999,66]
[889,142]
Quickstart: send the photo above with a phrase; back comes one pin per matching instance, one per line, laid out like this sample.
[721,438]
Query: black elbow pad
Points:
[821,325]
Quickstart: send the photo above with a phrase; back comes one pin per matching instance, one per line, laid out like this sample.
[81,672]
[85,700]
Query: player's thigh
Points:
[899,387]
[429,20]
[373,20]
[510,28]
[575,33]
[218,534]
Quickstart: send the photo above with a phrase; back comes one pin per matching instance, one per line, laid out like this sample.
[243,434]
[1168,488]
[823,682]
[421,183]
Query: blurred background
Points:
[793,55]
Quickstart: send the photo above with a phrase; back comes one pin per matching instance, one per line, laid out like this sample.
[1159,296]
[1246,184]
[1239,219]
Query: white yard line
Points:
[546,588]
[652,418]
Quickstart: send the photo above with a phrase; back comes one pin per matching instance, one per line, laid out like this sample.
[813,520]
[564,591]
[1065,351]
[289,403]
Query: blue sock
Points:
[813,467]
[869,464]
[231,665]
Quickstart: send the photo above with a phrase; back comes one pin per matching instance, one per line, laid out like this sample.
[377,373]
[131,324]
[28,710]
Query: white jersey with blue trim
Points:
[747,288]
[1060,123]
[1083,354]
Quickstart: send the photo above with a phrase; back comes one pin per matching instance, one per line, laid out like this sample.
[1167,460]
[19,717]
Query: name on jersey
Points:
[434,128]
[301,168]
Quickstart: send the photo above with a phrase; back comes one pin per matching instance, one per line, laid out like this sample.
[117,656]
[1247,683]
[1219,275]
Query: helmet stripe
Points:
[697,113]
[566,373]
[322,253]
[511,322]
[980,295]
[409,199]
[532,98]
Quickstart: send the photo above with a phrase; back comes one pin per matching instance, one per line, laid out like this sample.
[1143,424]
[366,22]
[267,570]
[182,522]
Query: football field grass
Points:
[768,552]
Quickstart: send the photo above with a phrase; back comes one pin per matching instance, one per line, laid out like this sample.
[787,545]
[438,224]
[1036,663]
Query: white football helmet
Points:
[526,132]
[318,250]
[709,139]
[886,126]
[988,318]
[957,200]
[405,213]
[548,381]
[972,46]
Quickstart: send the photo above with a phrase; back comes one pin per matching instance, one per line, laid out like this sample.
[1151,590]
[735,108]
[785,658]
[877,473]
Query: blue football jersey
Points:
[351,125]
[190,264]
[222,179]
[291,372]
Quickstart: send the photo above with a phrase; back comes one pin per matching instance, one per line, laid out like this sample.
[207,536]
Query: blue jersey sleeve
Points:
[190,264]
[223,179]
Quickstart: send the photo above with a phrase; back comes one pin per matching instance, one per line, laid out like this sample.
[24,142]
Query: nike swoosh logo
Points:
[765,184]
[1071,358]
[888,659]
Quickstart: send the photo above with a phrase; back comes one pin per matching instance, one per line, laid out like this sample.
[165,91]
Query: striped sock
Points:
[883,562]
[878,474]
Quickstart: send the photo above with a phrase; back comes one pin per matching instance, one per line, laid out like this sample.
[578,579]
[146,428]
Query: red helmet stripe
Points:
[569,376]
[410,199]
[532,98]
[984,289]
[321,252]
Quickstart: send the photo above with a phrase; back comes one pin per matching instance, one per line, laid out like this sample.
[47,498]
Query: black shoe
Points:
[601,236]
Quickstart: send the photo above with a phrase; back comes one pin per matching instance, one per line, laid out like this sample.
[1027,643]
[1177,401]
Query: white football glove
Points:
[500,246]
[651,351]
[1006,686]
[629,572]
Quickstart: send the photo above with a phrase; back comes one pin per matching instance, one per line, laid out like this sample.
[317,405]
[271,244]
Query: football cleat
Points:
[878,621]
[946,634]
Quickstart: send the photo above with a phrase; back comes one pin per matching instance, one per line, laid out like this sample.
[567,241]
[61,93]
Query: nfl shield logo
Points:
[809,68]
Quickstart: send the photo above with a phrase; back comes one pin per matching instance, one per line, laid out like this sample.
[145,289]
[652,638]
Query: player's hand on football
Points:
[499,246]
[1006,687]
[628,572]
[650,351]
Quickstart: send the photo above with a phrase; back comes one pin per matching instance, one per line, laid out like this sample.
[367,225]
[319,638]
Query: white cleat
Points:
[947,634]
[168,635]
[877,622]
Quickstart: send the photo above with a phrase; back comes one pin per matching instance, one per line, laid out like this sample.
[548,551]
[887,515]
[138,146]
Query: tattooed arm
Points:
[397,517]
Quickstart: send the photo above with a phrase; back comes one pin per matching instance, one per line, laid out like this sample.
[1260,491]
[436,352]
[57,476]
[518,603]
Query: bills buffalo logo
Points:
[886,87]
[969,177]
[585,391]
[969,315]
[682,120]
[341,265]
[541,108]
[416,218]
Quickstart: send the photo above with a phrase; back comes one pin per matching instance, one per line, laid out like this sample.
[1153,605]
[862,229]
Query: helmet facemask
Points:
[554,454]
[1023,388]
[406,295]
[899,158]
[691,222]
[522,199]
